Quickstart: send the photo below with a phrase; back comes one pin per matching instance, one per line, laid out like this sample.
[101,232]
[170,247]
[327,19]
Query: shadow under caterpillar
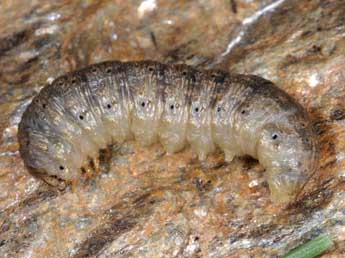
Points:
[84,111]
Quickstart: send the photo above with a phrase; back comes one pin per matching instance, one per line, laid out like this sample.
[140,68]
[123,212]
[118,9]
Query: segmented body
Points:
[80,113]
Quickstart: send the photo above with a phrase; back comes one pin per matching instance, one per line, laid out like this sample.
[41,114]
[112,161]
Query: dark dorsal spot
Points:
[190,75]
[94,70]
[109,106]
[243,111]
[275,136]
[196,109]
[60,83]
[73,81]
[81,117]
[219,109]
[44,105]
[61,167]
[109,70]
[172,106]
[143,104]
[151,69]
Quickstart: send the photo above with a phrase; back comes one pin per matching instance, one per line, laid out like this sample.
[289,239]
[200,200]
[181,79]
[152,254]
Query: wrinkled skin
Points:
[84,111]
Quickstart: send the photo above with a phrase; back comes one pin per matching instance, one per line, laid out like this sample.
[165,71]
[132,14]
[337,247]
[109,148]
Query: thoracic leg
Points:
[95,164]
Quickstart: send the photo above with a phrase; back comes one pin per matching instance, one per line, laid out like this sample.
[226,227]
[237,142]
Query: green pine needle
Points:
[312,248]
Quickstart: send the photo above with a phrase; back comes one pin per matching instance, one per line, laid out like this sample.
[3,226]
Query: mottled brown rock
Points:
[149,204]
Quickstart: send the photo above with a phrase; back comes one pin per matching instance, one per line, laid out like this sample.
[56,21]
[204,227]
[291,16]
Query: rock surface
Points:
[148,204]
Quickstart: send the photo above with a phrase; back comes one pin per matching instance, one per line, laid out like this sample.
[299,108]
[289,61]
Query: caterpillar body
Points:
[81,112]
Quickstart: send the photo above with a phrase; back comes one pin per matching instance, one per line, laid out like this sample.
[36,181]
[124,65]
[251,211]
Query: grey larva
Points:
[80,113]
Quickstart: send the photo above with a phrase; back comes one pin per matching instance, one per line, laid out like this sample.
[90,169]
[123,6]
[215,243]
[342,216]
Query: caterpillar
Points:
[84,111]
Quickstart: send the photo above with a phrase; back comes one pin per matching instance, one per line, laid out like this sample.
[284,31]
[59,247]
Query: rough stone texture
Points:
[149,204]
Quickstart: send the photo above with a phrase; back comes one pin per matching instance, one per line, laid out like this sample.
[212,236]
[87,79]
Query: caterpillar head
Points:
[35,148]
[50,171]
[287,151]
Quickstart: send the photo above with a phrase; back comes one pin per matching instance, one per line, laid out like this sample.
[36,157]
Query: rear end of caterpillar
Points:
[70,120]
